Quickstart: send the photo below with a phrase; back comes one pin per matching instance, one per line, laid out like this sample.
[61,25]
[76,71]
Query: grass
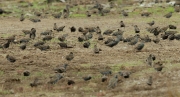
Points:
[5,92]
[78,15]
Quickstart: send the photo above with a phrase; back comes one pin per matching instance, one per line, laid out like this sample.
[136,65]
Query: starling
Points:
[122,24]
[119,32]
[55,79]
[43,47]
[6,45]
[64,45]
[33,33]
[100,37]
[37,13]
[108,32]
[164,36]
[113,82]
[38,43]
[61,69]
[146,14]
[108,40]
[73,29]
[88,14]
[47,32]
[168,15]
[35,20]
[114,42]
[80,29]
[104,78]
[86,44]
[60,28]
[89,36]
[10,58]
[70,82]
[134,40]
[96,50]
[140,46]
[22,46]
[151,23]
[11,38]
[124,13]
[157,40]
[47,38]
[150,81]
[55,26]
[172,27]
[24,40]
[81,38]
[70,56]
[63,37]
[158,66]
[106,72]
[98,30]
[34,83]
[26,73]
[22,17]
[86,78]
[150,60]
[57,15]
[172,37]
[124,74]
[137,30]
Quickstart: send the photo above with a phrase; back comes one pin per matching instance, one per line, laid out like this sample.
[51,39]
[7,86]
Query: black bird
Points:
[119,32]
[108,32]
[26,73]
[168,15]
[140,46]
[134,40]
[22,46]
[38,43]
[55,26]
[106,72]
[172,27]
[22,17]
[96,50]
[151,23]
[61,69]
[57,15]
[70,56]
[7,44]
[150,81]
[172,37]
[158,66]
[98,30]
[86,44]
[35,20]
[10,58]
[64,45]
[150,60]
[43,47]
[81,38]
[113,82]
[60,28]
[47,32]
[124,73]
[55,79]
[100,37]
[122,24]
[124,13]
[108,40]
[63,37]
[70,82]
[47,38]
[73,29]
[35,82]
[88,14]
[33,33]
[104,78]
[137,30]
[114,42]
[86,78]
[80,29]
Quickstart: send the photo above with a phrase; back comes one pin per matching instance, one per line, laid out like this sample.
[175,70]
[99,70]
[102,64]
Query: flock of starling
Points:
[87,33]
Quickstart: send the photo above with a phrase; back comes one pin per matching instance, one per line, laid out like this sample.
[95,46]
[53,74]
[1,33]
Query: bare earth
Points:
[41,63]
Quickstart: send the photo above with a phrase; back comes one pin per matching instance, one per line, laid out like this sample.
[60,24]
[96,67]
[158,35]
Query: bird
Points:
[54,79]
[11,38]
[60,29]
[122,24]
[104,78]
[158,66]
[156,40]
[64,45]
[73,29]
[140,46]
[86,44]
[70,56]
[118,32]
[55,26]
[22,46]
[151,23]
[124,13]
[32,33]
[22,17]
[35,82]
[134,40]
[36,13]
[80,29]
[114,42]
[46,32]
[172,37]
[47,38]
[96,50]
[108,32]
[35,20]
[168,15]
[88,14]
[113,82]
[43,47]
[172,27]
[150,60]
[38,43]
[10,58]
[7,44]
[124,73]
[57,15]
[26,31]
[100,37]
[61,69]
[150,81]
[137,30]
[106,72]
[86,78]
[98,30]
[70,82]
[62,37]
[26,73]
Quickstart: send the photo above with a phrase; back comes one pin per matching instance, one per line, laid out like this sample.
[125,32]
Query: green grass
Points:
[1,73]
[78,15]
[4,92]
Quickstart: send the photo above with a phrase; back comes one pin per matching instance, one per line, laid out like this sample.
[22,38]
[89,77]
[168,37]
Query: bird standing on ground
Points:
[137,30]
[10,58]
[151,23]
[168,15]
[22,17]
[122,24]
[33,33]
[70,56]
[150,81]
[113,82]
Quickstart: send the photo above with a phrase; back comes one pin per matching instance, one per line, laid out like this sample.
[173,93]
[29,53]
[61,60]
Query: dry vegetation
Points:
[40,64]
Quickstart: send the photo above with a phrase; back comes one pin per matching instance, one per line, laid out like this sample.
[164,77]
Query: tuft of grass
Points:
[78,15]
[4,92]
